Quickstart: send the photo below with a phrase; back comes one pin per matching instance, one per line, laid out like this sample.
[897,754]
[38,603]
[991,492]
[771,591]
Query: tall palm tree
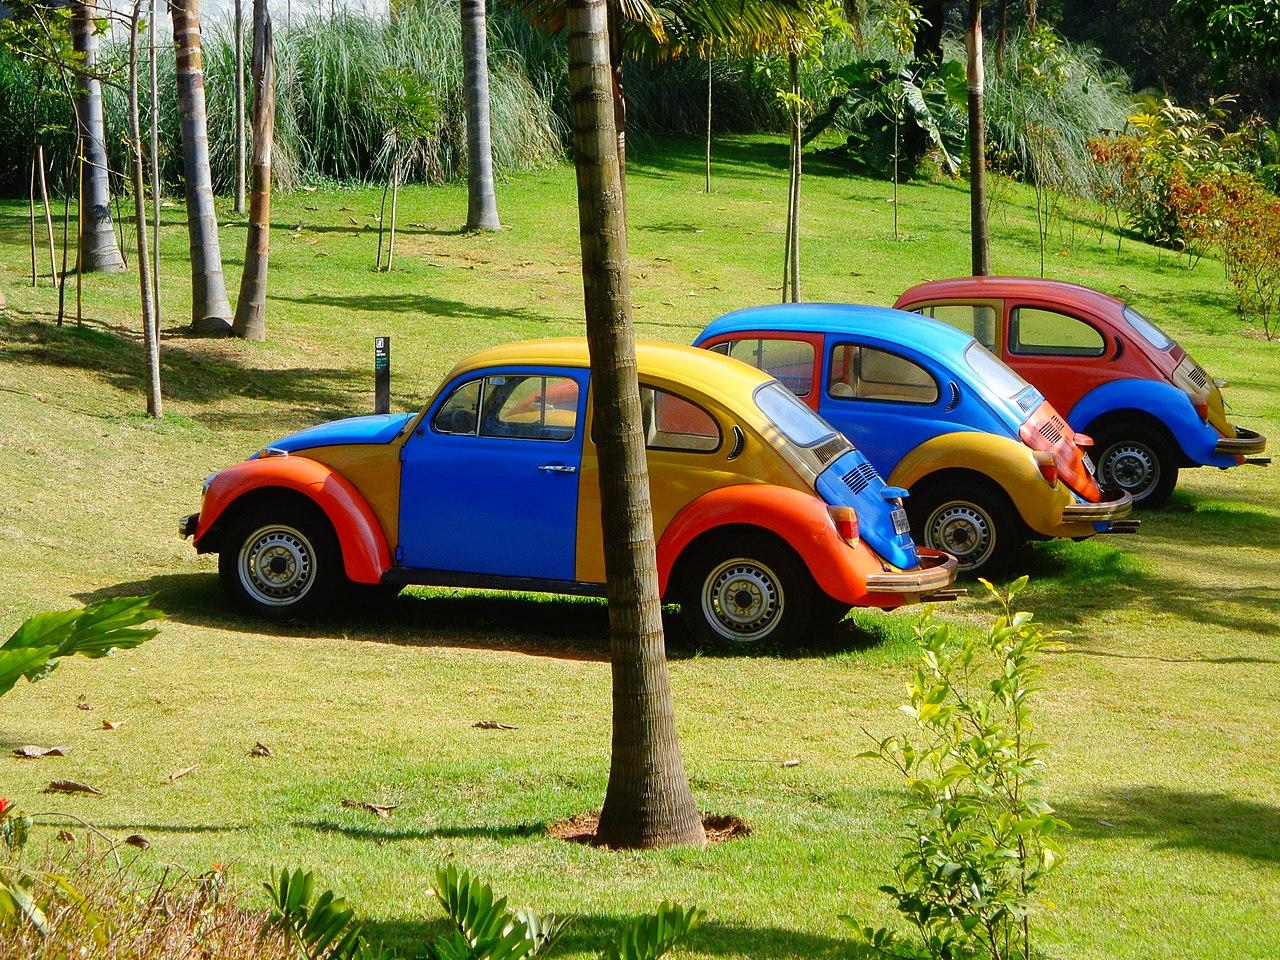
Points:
[482,208]
[210,311]
[648,802]
[98,248]
[251,306]
[980,243]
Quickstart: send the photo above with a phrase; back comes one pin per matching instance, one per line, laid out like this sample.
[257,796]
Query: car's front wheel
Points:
[745,590]
[281,560]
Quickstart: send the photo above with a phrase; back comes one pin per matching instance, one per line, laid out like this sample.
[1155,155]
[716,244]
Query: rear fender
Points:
[1162,401]
[799,519]
[365,556]
[1009,463]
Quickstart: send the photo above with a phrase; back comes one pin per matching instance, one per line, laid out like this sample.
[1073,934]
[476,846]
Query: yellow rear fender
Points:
[1008,463]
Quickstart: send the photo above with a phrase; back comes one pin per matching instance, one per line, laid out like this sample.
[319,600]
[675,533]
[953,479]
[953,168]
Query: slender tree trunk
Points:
[980,243]
[797,152]
[210,311]
[1033,17]
[614,18]
[251,307]
[395,193]
[1002,36]
[98,250]
[48,214]
[482,207]
[80,231]
[237,30]
[66,229]
[710,60]
[155,405]
[155,169]
[648,802]
[31,214]
[382,220]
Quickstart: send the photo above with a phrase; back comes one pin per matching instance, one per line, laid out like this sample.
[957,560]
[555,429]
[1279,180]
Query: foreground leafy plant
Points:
[36,647]
[981,836]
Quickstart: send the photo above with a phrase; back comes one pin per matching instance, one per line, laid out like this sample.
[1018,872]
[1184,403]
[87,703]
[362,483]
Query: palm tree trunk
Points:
[648,802]
[251,307]
[980,244]
[150,331]
[210,311]
[99,251]
[482,208]
[237,31]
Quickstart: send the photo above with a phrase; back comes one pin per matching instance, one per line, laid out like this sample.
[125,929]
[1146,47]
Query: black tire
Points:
[726,578]
[972,519]
[1136,457]
[280,560]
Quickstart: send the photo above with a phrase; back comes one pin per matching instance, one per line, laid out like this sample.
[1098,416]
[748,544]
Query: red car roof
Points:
[1058,291]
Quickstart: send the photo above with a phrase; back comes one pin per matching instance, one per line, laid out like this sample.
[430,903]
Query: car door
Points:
[489,479]
[886,402]
[1062,353]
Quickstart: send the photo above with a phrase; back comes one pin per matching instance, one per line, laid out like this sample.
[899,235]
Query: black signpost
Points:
[381,374]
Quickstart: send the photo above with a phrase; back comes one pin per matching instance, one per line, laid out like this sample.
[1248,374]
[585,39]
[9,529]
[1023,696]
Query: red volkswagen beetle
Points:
[1119,378]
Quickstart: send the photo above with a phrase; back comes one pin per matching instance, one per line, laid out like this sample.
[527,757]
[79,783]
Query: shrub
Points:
[981,836]
[1245,218]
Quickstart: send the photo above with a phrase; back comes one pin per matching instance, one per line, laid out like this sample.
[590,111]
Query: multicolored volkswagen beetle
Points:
[768,522]
[1149,407]
[987,460]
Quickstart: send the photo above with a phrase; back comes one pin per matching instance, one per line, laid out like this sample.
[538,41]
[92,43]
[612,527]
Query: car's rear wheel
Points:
[281,560]
[971,520]
[745,591]
[1135,458]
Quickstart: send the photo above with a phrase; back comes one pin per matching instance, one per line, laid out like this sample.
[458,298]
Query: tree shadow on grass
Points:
[421,304]
[400,834]
[1180,819]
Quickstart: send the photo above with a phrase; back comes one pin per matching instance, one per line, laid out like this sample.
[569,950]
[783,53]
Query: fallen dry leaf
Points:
[112,724]
[260,749]
[137,840]
[70,786]
[791,763]
[178,774]
[381,809]
[31,752]
[491,725]
[66,836]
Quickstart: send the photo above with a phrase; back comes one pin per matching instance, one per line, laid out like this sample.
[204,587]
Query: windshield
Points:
[994,373]
[1150,332]
[798,422]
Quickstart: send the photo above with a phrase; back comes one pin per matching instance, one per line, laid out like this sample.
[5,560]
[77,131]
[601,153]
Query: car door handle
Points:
[558,468]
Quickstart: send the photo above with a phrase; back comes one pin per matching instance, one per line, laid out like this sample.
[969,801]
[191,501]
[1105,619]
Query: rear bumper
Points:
[1245,443]
[1098,512]
[188,524]
[936,572]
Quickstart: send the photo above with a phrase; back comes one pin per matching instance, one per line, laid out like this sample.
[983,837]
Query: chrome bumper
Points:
[187,525]
[1097,512]
[1244,444]
[937,571]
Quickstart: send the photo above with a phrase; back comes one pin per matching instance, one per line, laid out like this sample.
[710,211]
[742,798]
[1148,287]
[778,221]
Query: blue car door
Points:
[885,402]
[489,479]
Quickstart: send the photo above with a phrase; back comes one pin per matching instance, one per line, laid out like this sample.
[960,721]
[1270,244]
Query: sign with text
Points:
[381,374]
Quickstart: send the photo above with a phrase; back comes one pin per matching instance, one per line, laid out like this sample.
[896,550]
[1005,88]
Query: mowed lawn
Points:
[1160,711]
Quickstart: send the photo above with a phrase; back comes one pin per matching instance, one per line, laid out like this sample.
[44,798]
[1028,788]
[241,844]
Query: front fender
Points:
[1009,463]
[798,518]
[1168,404]
[364,547]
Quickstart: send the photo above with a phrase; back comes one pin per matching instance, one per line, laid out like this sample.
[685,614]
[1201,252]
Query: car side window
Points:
[460,413]
[976,319]
[1036,331]
[527,407]
[788,361]
[866,373]
[674,423]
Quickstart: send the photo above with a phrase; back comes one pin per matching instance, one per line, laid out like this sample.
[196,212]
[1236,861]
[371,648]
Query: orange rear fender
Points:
[798,518]
[364,547]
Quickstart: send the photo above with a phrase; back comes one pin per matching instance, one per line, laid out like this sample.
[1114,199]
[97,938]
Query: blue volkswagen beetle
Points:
[988,462]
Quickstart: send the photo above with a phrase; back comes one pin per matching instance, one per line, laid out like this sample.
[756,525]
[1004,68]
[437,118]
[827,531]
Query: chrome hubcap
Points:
[963,530]
[742,600]
[277,565]
[1132,467]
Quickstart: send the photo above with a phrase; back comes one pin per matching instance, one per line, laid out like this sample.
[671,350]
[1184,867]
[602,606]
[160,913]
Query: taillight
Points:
[1048,468]
[1083,441]
[1201,402]
[846,521]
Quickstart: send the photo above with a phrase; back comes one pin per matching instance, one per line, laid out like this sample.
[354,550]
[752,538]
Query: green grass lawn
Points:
[1160,711]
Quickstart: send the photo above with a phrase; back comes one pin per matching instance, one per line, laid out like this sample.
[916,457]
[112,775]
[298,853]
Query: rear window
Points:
[1149,331]
[798,423]
[996,375]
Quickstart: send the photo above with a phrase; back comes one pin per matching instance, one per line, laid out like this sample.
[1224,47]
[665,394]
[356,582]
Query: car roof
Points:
[932,338]
[1067,294]
[712,374]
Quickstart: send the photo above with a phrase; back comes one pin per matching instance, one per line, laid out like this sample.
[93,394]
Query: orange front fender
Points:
[798,518]
[364,547]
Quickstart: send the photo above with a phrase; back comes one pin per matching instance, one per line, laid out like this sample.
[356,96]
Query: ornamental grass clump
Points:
[981,838]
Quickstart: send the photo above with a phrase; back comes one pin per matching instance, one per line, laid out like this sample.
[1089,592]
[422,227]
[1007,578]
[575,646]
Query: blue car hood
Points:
[376,428]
